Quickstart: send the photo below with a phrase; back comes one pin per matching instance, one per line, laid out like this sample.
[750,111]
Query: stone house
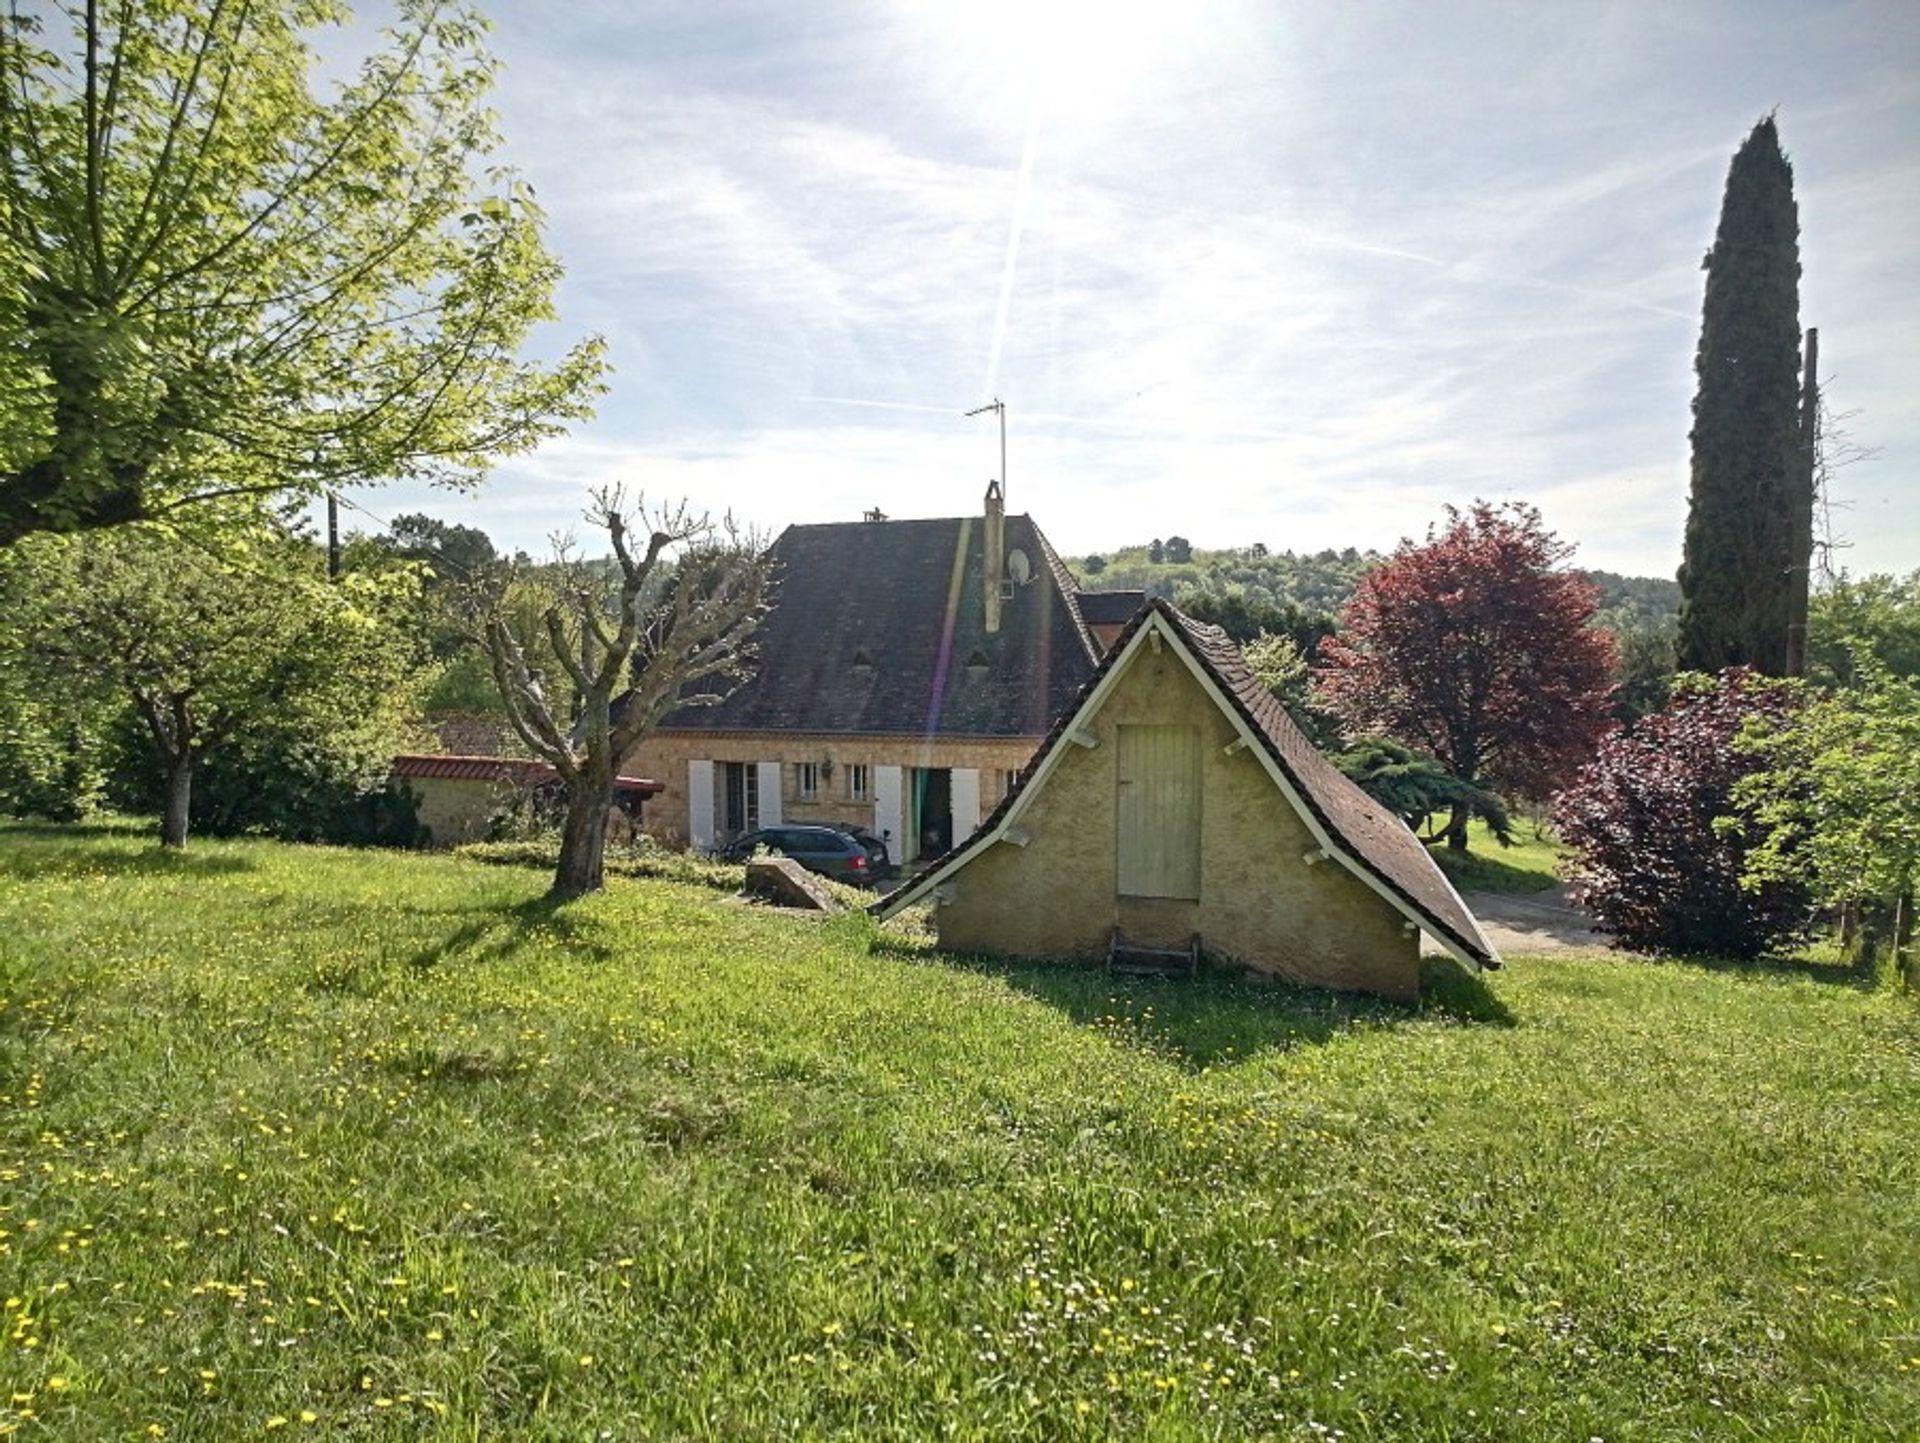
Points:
[1175,808]
[907,671]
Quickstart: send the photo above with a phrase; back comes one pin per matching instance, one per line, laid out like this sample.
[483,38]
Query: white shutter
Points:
[700,805]
[769,794]
[887,820]
[966,803]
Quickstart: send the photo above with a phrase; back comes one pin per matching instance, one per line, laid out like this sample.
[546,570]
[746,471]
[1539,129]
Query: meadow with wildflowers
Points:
[314,1143]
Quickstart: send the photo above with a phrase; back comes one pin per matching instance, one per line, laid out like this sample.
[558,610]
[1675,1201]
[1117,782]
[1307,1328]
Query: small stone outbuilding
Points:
[458,797]
[1175,805]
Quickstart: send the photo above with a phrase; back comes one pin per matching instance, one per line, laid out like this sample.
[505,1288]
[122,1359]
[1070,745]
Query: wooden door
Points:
[1157,815]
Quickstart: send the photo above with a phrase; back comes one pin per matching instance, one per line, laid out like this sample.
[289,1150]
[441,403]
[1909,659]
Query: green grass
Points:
[1526,866]
[384,1141]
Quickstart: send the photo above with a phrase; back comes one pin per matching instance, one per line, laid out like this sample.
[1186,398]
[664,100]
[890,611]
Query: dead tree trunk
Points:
[1800,532]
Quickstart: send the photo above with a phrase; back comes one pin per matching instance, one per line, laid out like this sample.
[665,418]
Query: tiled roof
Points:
[1110,608]
[514,770]
[1368,834]
[879,627]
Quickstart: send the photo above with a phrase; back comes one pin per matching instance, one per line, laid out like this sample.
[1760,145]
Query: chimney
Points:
[994,562]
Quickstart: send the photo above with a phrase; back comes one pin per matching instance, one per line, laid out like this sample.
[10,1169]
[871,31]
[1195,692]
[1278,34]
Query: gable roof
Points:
[880,627]
[1351,827]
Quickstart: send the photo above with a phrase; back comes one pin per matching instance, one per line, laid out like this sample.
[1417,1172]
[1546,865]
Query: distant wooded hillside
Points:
[1318,582]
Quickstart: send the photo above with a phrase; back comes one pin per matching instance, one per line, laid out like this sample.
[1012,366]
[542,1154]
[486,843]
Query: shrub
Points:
[643,859]
[1649,862]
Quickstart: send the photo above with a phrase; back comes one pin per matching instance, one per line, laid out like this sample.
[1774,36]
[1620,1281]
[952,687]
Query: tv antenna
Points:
[996,404]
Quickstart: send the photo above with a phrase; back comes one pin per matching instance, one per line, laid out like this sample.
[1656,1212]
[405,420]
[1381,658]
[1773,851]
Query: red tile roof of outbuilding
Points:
[517,770]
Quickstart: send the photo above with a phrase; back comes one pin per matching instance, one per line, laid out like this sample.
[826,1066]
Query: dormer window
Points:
[862,663]
[977,665]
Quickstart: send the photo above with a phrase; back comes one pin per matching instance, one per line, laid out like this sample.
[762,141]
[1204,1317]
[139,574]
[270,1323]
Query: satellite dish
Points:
[1018,567]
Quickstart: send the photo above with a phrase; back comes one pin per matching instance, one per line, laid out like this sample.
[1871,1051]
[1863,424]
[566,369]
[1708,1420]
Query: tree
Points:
[1246,618]
[455,555]
[217,651]
[1644,667]
[1094,564]
[1279,665]
[1751,478]
[1478,650]
[1414,787]
[1875,617]
[1659,854]
[1835,793]
[661,640]
[1156,551]
[216,285]
[1179,550]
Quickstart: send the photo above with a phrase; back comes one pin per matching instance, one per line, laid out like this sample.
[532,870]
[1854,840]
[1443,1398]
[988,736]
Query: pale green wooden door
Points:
[1157,816]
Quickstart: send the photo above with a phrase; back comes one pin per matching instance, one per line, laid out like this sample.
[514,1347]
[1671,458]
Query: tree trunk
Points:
[1456,833]
[583,839]
[1903,967]
[173,824]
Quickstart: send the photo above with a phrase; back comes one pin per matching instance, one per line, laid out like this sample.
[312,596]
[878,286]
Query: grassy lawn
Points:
[306,1142]
[1526,866]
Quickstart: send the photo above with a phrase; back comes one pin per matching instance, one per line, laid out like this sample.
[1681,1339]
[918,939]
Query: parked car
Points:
[876,849]
[826,850]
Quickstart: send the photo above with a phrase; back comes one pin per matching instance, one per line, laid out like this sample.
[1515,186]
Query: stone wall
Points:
[1261,905]
[457,809]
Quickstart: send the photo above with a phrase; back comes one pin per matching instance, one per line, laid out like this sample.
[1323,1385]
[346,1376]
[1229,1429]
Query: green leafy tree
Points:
[1415,787]
[1838,794]
[1278,664]
[217,283]
[1750,472]
[1876,617]
[1246,617]
[218,652]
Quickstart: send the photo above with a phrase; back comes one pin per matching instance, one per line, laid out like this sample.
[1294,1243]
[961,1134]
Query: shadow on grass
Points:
[1832,973]
[33,852]
[497,931]
[1220,1019]
[1479,872]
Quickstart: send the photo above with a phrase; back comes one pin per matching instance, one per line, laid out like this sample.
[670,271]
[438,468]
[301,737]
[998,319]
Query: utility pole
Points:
[333,536]
[1800,532]
[996,404]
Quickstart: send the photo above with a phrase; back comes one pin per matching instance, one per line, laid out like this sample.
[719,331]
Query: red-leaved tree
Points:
[1477,649]
[1659,848]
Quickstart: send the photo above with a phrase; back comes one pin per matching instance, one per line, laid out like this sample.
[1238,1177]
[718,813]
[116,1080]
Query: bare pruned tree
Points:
[670,625]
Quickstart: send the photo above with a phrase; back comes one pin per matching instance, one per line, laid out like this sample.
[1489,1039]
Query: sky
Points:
[1302,274]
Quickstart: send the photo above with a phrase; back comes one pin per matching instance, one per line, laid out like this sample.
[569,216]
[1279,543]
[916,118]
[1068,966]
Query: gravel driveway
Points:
[1541,922]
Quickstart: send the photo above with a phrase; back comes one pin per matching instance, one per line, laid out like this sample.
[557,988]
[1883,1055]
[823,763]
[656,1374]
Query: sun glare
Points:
[1079,62]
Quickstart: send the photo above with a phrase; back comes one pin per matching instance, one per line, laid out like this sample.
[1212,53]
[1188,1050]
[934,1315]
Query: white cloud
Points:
[1306,281]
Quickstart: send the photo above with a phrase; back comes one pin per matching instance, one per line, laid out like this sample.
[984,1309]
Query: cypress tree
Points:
[1737,572]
